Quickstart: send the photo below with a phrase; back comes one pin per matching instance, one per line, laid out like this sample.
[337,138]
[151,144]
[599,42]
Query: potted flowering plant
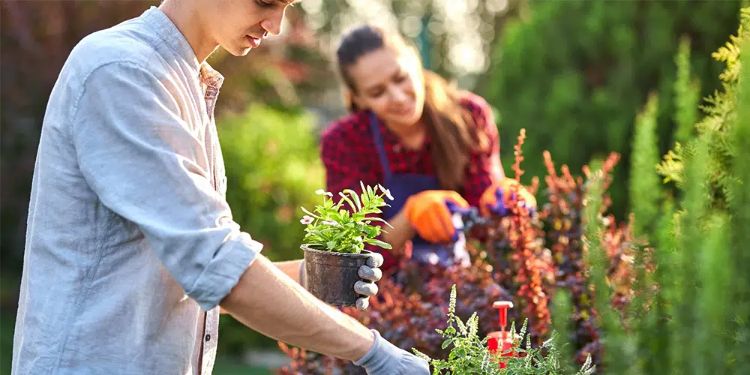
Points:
[335,237]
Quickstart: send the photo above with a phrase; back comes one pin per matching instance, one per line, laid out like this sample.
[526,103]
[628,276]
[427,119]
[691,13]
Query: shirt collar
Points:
[210,77]
[173,38]
[171,35]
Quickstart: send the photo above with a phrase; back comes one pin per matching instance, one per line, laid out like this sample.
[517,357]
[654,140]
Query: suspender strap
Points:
[379,146]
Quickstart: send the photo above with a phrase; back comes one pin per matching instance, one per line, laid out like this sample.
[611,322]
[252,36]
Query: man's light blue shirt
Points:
[130,243]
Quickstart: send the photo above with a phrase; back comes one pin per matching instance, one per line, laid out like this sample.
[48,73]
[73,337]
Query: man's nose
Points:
[272,24]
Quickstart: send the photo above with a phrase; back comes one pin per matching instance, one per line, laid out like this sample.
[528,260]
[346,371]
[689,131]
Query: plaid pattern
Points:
[211,81]
[349,153]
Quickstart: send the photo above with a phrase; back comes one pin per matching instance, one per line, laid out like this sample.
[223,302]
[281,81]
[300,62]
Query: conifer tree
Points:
[645,189]
[739,210]
[645,198]
[654,338]
[618,347]
[713,301]
[685,280]
[686,95]
[561,313]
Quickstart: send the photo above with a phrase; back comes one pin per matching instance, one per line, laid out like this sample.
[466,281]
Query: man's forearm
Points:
[270,302]
[291,268]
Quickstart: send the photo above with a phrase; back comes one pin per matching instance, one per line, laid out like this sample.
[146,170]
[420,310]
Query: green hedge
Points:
[574,73]
[691,309]
[273,168]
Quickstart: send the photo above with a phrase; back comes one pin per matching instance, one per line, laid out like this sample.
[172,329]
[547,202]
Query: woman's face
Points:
[391,84]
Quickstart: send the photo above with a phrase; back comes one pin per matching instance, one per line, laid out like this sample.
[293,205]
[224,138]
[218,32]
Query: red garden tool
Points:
[501,340]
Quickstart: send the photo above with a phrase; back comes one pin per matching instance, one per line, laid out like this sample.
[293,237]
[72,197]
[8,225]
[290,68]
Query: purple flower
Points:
[306,220]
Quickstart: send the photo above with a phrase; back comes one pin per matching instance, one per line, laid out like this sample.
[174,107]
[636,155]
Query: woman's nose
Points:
[398,95]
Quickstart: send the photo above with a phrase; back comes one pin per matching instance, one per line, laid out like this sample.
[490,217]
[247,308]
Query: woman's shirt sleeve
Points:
[484,167]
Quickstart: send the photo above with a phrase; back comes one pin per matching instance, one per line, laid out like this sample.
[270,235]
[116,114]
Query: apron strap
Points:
[380,147]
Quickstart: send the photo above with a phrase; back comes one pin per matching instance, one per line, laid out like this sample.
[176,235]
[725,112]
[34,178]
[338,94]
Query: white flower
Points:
[323,192]
[386,192]
[331,223]
[306,220]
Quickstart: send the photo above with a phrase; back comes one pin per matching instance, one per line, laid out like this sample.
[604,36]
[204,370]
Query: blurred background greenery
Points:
[572,73]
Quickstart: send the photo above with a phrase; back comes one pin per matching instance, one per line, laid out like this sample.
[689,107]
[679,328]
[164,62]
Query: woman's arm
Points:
[401,232]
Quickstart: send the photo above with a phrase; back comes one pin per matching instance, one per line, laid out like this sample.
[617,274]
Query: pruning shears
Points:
[465,218]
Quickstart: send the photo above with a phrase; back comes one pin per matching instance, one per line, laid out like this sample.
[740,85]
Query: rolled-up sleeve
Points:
[146,164]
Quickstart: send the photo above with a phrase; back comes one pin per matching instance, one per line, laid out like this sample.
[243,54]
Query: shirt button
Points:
[208,337]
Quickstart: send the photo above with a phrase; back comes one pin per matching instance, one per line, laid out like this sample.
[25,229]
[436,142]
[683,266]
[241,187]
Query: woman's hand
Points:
[429,212]
[497,199]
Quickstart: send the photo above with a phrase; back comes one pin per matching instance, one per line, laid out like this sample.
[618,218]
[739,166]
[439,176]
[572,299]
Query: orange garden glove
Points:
[498,198]
[429,212]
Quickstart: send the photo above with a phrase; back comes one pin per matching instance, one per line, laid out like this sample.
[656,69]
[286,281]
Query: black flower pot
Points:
[330,276]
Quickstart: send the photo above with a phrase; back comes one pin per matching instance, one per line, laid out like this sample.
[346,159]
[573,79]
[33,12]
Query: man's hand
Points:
[370,273]
[496,200]
[386,359]
[429,213]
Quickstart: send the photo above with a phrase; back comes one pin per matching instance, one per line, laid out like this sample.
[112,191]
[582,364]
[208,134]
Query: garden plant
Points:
[665,290]
[335,237]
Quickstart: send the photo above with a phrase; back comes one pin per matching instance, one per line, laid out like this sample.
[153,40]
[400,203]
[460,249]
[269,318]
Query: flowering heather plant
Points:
[346,226]
[623,260]
[512,247]
[562,217]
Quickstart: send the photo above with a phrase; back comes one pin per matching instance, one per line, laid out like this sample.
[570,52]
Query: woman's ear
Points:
[355,101]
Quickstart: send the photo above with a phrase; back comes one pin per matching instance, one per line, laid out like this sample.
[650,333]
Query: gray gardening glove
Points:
[386,359]
[370,273]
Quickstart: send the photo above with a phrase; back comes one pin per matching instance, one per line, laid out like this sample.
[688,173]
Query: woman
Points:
[436,148]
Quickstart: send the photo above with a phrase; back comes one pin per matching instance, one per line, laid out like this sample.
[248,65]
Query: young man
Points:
[131,246]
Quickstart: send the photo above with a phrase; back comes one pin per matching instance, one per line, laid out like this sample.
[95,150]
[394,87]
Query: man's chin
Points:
[239,52]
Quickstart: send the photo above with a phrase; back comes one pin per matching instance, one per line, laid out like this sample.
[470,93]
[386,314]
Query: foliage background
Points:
[573,73]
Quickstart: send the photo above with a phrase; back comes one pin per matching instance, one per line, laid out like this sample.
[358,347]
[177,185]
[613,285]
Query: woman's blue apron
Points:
[404,185]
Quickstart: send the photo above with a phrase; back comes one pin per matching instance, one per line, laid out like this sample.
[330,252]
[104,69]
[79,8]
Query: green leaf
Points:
[355,198]
[382,244]
[380,220]
[446,343]
[349,202]
[310,213]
